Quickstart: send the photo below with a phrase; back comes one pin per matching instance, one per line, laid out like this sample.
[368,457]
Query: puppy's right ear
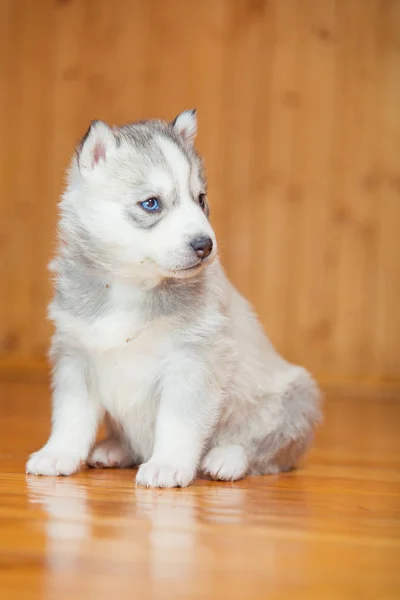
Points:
[98,142]
[185,125]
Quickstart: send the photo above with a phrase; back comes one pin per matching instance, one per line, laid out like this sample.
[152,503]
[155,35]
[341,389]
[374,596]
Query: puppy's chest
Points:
[127,357]
[121,344]
[125,332]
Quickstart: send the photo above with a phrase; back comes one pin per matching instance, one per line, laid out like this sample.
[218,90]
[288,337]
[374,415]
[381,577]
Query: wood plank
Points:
[298,104]
[387,342]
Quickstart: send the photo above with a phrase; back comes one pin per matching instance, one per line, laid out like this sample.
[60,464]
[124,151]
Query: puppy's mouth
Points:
[190,270]
[186,272]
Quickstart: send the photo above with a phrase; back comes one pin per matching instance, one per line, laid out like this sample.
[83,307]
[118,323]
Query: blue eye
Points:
[151,205]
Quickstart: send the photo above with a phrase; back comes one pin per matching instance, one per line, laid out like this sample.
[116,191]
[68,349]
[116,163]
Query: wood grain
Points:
[329,530]
[298,104]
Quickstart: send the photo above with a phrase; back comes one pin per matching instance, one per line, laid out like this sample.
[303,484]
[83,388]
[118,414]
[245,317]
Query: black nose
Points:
[202,245]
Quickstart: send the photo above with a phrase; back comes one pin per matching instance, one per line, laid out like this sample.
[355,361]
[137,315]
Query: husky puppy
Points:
[149,332]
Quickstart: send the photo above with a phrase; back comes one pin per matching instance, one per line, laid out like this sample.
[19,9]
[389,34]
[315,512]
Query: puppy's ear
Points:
[98,142]
[185,125]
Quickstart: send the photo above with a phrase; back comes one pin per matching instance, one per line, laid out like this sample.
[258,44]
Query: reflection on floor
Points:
[330,529]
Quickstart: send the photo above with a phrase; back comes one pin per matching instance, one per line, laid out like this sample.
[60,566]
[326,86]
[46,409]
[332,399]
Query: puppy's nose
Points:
[202,245]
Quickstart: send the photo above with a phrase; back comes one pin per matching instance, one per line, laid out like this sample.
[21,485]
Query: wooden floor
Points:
[329,530]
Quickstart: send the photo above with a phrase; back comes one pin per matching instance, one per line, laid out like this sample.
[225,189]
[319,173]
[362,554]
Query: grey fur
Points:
[80,292]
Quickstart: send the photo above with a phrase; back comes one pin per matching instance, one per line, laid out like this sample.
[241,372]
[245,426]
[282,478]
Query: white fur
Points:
[191,385]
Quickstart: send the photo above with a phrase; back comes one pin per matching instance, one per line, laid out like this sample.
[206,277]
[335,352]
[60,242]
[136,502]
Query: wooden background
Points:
[299,113]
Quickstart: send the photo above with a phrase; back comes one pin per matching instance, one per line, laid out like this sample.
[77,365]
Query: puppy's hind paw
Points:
[226,463]
[110,453]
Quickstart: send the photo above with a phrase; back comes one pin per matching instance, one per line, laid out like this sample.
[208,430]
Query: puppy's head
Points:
[137,196]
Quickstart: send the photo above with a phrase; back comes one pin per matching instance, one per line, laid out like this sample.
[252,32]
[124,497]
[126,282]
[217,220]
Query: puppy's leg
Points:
[268,436]
[288,416]
[75,421]
[114,451]
[189,408]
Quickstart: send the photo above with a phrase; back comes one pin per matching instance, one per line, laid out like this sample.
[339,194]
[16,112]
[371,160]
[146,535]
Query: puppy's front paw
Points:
[154,474]
[46,462]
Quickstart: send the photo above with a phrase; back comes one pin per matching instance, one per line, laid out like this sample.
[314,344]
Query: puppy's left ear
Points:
[97,144]
[185,125]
